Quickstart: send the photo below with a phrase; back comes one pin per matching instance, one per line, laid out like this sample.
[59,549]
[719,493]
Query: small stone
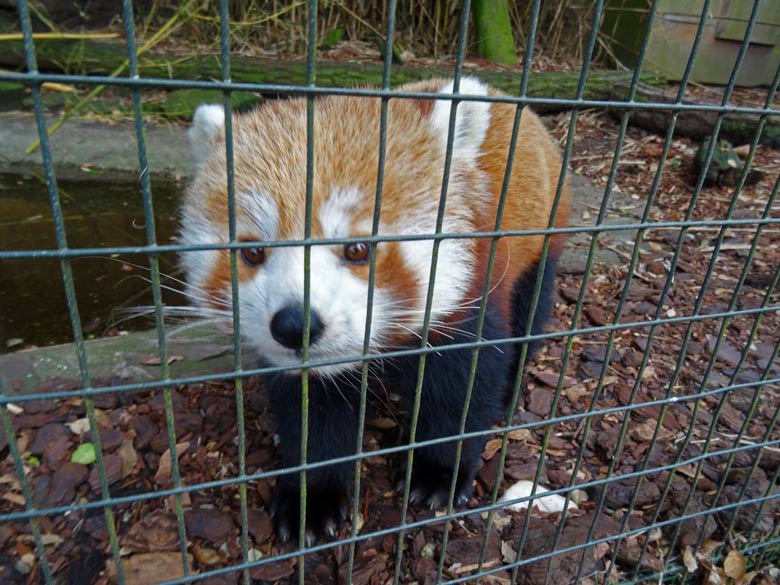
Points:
[153,532]
[187,422]
[145,430]
[53,442]
[598,316]
[596,353]
[726,351]
[96,527]
[157,403]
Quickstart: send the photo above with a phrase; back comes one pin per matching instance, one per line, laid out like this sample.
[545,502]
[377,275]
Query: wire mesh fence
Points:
[658,431]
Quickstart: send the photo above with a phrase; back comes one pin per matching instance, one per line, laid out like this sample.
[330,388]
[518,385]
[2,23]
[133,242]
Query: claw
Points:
[330,528]
[310,538]
[284,534]
[417,496]
[325,512]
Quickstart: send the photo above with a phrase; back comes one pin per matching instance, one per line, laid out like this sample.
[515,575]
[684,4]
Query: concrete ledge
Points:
[110,151]
[192,350]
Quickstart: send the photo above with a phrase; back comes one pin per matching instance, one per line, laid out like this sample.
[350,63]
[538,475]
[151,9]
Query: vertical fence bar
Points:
[67,274]
[520,544]
[635,261]
[29,500]
[311,61]
[462,34]
[364,366]
[224,39]
[732,306]
[774,479]
[527,60]
[697,307]
[588,267]
[154,271]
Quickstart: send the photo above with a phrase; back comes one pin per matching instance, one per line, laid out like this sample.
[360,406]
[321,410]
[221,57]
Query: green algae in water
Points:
[97,214]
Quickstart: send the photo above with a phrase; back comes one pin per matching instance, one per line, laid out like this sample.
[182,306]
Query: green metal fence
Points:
[763,551]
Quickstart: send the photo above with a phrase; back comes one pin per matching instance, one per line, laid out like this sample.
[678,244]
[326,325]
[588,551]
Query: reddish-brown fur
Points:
[270,162]
[270,152]
[536,170]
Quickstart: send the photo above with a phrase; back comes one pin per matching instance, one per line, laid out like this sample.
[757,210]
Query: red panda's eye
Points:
[253,256]
[356,253]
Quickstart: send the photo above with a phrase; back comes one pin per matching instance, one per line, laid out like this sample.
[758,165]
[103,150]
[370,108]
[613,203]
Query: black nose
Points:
[287,326]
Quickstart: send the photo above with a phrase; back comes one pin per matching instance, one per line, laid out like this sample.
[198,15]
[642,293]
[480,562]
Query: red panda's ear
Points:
[208,120]
[472,120]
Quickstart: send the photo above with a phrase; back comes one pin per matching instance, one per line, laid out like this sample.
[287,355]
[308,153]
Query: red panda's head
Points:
[269,151]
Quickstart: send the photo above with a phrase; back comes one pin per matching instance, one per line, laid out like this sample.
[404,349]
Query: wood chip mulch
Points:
[684,359]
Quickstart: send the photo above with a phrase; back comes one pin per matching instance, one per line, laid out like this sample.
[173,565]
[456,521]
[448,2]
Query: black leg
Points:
[522,297]
[332,433]
[445,383]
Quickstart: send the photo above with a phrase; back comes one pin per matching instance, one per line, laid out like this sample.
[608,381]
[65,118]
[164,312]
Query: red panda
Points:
[269,149]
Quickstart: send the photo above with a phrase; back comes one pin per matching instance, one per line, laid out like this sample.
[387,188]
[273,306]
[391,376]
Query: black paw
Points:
[431,486]
[326,511]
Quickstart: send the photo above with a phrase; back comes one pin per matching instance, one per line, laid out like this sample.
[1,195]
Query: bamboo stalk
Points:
[56,35]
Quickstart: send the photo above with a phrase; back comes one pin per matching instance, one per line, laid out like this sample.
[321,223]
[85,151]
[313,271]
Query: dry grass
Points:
[428,28]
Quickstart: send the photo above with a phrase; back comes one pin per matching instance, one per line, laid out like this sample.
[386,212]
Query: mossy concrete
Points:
[82,148]
[134,357]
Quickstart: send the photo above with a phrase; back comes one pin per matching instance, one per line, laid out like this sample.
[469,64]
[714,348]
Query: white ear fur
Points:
[472,120]
[206,122]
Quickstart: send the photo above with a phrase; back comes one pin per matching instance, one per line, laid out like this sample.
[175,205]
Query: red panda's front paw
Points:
[326,511]
[431,486]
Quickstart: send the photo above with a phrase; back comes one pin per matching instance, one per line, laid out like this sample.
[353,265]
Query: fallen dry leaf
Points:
[508,553]
[148,568]
[163,474]
[734,565]
[79,427]
[519,434]
[17,499]
[689,559]
[129,457]
[491,448]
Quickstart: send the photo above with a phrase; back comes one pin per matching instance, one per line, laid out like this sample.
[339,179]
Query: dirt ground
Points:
[716,447]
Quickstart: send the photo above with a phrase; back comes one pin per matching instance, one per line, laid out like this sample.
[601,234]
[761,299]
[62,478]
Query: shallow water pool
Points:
[33,307]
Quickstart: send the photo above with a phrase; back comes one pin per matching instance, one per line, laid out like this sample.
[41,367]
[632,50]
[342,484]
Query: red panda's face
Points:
[269,150]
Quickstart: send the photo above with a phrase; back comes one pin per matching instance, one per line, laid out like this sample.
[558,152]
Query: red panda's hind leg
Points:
[522,297]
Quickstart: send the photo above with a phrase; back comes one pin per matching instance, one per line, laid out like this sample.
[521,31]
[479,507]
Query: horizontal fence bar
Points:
[164,248]
[422,444]
[565,103]
[429,521]
[157,384]
[106,501]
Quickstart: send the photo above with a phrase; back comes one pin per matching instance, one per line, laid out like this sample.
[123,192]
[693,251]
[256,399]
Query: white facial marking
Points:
[454,267]
[471,122]
[338,296]
[337,211]
[196,230]
[260,214]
